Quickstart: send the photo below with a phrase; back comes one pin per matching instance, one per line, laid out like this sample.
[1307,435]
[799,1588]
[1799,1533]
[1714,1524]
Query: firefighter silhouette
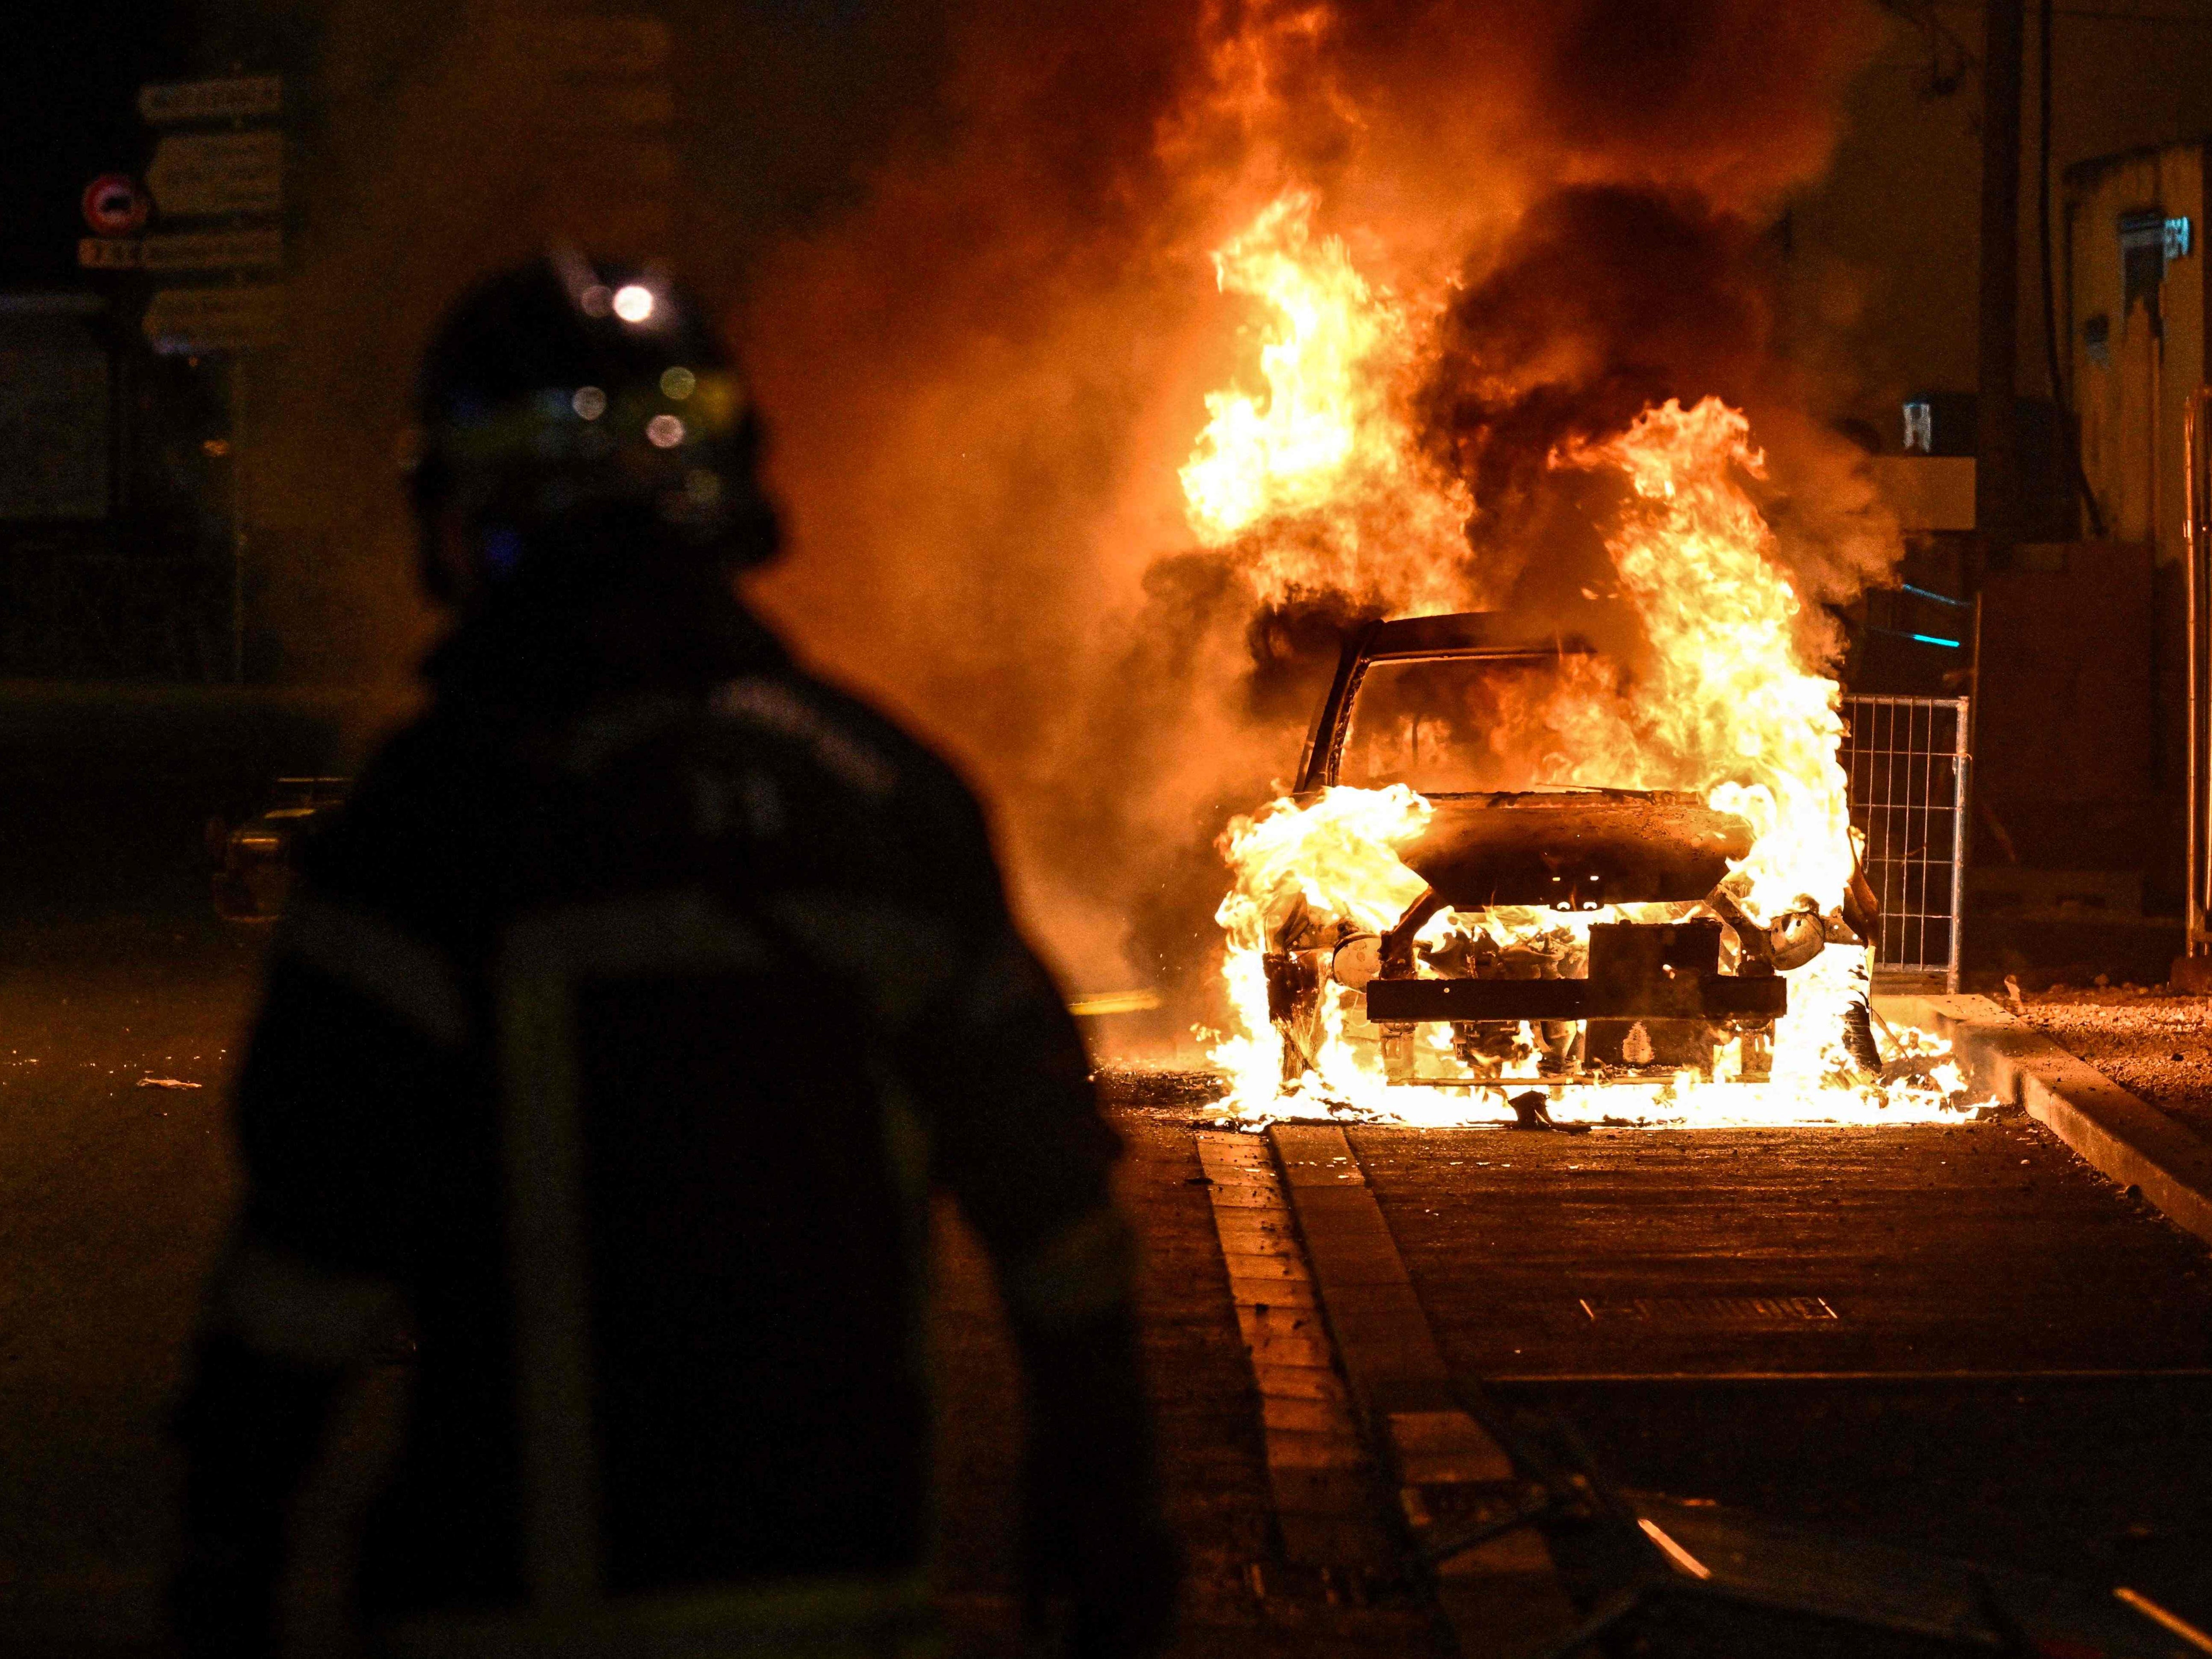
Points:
[614,1037]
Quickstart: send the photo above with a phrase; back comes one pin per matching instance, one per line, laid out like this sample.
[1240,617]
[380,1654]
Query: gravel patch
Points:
[2154,1042]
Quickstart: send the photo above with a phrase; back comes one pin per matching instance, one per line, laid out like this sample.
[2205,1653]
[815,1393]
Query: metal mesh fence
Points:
[1907,763]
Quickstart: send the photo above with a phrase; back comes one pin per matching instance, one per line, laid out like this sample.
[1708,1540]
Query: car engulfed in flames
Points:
[1556,934]
[1537,849]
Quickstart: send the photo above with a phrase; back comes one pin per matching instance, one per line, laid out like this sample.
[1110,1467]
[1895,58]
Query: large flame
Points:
[1319,487]
[1727,709]
[1323,463]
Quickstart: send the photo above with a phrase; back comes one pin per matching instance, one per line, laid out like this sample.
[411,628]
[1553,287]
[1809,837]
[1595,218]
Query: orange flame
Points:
[1728,708]
[1319,487]
[1318,482]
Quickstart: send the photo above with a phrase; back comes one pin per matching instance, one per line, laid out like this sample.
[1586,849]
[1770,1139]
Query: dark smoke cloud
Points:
[989,374]
[967,250]
[1733,98]
[1603,301]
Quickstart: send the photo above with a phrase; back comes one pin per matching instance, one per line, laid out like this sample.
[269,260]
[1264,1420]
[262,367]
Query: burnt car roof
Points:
[1569,847]
[1470,633]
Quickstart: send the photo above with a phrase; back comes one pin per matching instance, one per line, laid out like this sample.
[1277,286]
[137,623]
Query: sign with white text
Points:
[109,253]
[239,99]
[189,321]
[208,172]
[192,250]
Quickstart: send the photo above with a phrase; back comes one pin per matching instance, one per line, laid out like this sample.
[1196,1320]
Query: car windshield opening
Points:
[1470,725]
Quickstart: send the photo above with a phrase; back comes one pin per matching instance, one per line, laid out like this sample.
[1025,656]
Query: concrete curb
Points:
[1502,1596]
[1325,1496]
[2115,1132]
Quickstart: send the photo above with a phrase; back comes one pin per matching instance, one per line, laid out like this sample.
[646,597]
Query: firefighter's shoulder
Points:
[892,784]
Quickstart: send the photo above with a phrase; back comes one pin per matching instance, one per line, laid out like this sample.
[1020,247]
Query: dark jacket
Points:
[614,1038]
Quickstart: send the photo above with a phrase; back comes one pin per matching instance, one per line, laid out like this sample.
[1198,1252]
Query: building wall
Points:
[1883,279]
[2131,392]
[54,430]
[2081,682]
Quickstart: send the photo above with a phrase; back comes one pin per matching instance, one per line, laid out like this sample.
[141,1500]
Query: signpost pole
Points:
[237,520]
[233,182]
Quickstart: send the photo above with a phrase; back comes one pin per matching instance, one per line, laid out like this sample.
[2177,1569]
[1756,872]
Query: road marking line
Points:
[1681,1556]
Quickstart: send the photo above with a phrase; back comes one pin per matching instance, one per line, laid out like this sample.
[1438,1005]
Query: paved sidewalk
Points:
[2155,1044]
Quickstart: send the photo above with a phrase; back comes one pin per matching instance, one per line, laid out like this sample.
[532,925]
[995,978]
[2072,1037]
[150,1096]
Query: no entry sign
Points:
[113,206]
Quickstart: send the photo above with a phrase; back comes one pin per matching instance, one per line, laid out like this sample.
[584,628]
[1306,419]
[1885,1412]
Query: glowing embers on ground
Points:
[1309,875]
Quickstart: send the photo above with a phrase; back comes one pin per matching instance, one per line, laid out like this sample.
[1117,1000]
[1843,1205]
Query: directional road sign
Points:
[214,250]
[113,206]
[183,321]
[236,100]
[196,250]
[201,172]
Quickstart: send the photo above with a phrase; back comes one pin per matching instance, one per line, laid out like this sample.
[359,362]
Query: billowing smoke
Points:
[1603,301]
[984,328]
[983,459]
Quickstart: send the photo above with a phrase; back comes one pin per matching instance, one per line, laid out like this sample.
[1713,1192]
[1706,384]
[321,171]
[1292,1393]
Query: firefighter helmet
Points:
[565,407]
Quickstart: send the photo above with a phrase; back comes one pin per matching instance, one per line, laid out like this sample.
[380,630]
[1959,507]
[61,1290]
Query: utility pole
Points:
[1996,470]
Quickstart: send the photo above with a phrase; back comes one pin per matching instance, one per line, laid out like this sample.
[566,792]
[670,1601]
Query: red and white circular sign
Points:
[113,205]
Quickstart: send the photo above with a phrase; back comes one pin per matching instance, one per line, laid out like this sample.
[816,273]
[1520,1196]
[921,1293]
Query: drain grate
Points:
[1712,1310]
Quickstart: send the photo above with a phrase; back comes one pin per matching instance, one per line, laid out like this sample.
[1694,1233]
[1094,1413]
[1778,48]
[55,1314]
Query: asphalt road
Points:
[112,1198]
[1706,1307]
[1985,1249]
[114,1201]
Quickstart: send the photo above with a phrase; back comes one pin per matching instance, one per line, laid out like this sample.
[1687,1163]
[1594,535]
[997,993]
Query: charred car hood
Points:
[1574,847]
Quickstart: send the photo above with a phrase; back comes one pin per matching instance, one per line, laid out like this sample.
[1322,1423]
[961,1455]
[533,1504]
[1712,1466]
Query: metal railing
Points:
[1907,762]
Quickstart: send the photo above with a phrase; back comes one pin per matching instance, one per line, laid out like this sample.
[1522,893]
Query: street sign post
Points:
[215,175]
[198,173]
[239,99]
[193,321]
[113,205]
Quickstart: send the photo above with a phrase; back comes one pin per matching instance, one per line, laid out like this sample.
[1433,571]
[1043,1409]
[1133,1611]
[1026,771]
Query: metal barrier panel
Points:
[1907,763]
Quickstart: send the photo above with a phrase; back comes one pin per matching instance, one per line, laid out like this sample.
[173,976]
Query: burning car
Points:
[1566,932]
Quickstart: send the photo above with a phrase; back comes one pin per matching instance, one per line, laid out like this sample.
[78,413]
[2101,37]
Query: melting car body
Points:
[1449,707]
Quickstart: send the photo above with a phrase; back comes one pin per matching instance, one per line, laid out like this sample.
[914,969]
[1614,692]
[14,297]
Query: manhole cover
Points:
[1712,1310]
